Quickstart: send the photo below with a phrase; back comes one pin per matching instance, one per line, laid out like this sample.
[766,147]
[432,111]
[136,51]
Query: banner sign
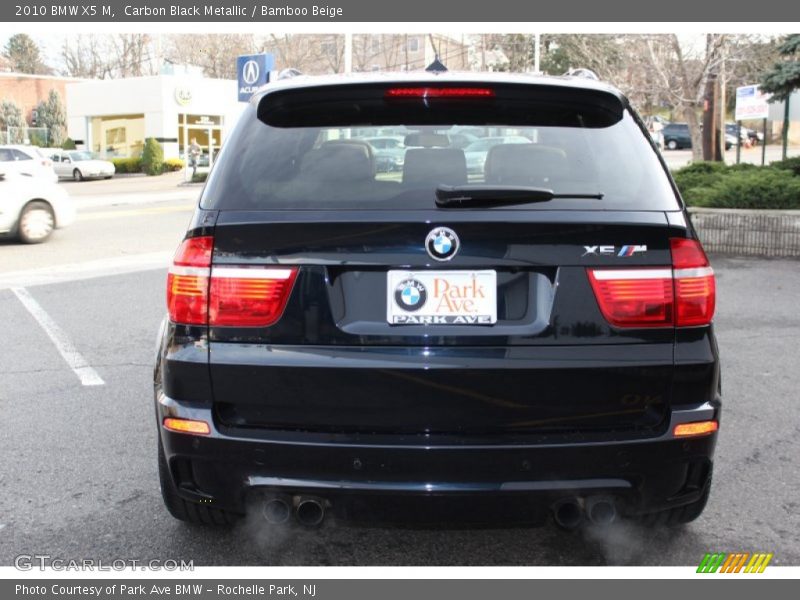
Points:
[751,103]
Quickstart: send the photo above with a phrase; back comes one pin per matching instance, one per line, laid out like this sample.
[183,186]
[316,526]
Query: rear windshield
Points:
[364,149]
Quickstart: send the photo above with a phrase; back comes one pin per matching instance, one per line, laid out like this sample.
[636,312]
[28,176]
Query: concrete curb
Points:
[773,233]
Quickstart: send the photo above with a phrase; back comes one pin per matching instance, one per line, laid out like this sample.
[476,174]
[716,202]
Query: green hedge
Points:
[127,165]
[790,164]
[152,157]
[716,185]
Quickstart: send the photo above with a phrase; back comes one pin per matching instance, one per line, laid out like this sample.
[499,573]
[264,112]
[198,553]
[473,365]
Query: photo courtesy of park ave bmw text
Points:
[407,299]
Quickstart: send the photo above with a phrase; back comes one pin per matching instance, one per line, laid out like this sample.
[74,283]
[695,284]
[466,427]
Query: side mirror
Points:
[66,160]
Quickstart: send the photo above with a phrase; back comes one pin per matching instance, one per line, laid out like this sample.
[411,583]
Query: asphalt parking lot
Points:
[79,476]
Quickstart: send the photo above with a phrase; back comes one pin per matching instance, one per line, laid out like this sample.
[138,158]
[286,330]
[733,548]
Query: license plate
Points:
[441,297]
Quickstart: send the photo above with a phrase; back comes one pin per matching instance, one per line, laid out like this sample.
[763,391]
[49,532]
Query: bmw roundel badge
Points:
[410,295]
[442,243]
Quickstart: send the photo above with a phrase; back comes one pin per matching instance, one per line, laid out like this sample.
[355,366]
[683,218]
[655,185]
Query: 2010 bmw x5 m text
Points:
[531,339]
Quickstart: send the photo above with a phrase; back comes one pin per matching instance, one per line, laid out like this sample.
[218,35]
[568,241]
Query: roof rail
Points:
[289,73]
[582,72]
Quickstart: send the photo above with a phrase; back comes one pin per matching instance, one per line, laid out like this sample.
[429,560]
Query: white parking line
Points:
[103,267]
[65,347]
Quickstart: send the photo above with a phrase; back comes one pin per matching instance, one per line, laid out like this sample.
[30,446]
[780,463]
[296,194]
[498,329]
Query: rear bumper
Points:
[226,467]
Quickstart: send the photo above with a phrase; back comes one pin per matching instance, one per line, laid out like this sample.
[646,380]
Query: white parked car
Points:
[31,207]
[27,160]
[80,165]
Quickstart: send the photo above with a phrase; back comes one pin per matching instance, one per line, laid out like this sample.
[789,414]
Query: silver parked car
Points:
[80,165]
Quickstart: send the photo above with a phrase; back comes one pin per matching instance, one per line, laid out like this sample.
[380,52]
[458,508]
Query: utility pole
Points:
[723,108]
[348,52]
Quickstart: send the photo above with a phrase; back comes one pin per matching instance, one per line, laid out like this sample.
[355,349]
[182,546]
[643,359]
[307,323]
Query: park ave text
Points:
[168,589]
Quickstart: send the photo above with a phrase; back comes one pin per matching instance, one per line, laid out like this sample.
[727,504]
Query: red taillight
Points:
[224,296]
[695,286]
[249,297]
[440,92]
[634,297]
[687,254]
[187,282]
[683,295]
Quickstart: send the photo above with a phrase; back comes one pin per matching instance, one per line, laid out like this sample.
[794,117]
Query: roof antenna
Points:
[436,66]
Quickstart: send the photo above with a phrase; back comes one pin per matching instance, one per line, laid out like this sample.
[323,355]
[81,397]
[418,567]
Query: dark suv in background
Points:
[534,338]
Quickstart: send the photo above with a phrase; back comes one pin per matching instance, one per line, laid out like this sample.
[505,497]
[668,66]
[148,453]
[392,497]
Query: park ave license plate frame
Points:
[441,297]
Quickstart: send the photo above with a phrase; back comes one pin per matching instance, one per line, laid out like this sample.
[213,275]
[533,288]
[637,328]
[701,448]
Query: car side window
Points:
[5,155]
[18,155]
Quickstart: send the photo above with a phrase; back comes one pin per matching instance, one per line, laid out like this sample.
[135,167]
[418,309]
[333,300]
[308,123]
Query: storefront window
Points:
[206,130]
[117,136]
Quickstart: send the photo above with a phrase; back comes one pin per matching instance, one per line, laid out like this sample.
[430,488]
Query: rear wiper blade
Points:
[479,196]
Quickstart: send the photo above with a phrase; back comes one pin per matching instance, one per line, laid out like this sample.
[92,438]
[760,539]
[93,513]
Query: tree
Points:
[215,53]
[603,54]
[682,69]
[51,114]
[383,50]
[11,117]
[517,48]
[784,79]
[105,56]
[87,56]
[24,55]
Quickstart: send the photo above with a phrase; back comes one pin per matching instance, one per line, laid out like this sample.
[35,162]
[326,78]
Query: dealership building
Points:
[113,117]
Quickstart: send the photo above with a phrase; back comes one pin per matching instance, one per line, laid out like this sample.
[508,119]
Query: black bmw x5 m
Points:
[535,339]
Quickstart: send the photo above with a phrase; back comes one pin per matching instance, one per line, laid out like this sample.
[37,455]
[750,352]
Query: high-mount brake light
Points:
[682,296]
[439,92]
[225,296]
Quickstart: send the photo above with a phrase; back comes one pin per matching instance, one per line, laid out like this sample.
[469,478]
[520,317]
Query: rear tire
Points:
[36,222]
[672,145]
[185,510]
[77,175]
[680,515]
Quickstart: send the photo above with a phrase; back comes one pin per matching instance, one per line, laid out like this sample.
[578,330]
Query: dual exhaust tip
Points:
[308,510]
[570,513]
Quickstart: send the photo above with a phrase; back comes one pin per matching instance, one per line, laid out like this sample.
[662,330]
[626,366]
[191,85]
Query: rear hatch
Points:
[430,300]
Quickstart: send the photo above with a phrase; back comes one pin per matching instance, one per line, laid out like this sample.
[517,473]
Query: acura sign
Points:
[253,72]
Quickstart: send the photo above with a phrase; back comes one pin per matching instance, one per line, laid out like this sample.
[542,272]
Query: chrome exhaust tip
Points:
[309,512]
[601,510]
[276,510]
[568,513]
